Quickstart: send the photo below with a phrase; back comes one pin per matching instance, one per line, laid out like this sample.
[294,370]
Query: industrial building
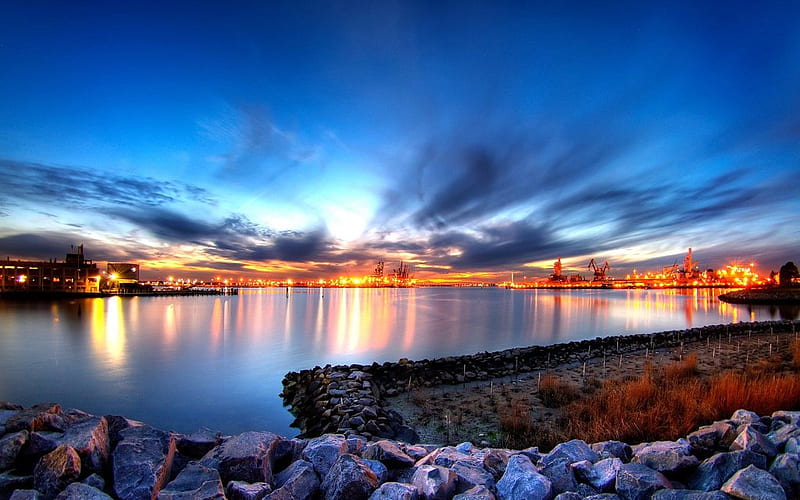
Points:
[75,274]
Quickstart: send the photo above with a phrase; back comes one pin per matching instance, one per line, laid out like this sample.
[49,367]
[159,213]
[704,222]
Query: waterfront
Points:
[183,362]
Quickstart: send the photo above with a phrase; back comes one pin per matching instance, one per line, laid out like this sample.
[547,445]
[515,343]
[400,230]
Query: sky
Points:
[470,139]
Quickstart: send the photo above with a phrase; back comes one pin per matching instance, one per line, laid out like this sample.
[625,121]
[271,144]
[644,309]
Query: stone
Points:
[25,495]
[752,483]
[141,462]
[380,470]
[434,482]
[240,490]
[782,434]
[195,482]
[752,440]
[56,470]
[476,493]
[43,416]
[520,480]
[786,469]
[465,447]
[349,479]
[745,417]
[710,438]
[469,475]
[299,481]
[389,453]
[82,491]
[494,462]
[198,443]
[10,446]
[601,475]
[323,451]
[571,451]
[95,481]
[613,449]
[561,475]
[416,452]
[714,471]
[792,445]
[89,437]
[38,445]
[246,457]
[790,417]
[356,445]
[667,456]
[602,496]
[10,482]
[569,495]
[689,495]
[638,482]
[395,491]
[117,424]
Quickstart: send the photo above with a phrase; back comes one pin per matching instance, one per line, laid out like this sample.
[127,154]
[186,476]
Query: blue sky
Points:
[469,138]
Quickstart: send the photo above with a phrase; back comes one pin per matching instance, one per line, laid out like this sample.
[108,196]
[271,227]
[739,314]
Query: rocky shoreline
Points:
[352,399]
[763,296]
[47,452]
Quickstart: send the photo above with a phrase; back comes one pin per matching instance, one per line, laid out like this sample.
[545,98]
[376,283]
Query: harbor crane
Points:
[599,272]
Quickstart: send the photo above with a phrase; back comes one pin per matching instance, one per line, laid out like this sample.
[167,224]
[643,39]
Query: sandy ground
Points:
[449,414]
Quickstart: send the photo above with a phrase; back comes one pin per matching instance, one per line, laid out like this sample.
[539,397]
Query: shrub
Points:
[555,392]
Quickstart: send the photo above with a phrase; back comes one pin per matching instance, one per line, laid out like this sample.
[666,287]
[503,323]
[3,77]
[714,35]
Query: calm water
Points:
[184,362]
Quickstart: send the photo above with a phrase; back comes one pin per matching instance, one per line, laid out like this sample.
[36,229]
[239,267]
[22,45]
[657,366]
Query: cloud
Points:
[53,244]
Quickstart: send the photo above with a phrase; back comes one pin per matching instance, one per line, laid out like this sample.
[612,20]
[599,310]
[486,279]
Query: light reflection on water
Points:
[182,362]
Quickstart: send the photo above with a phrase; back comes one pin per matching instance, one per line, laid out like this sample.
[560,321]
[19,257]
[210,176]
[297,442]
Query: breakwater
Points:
[47,452]
[350,399]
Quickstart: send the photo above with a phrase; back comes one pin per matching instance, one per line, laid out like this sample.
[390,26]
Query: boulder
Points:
[299,481]
[349,479]
[395,491]
[689,495]
[792,445]
[790,417]
[141,462]
[711,438]
[56,470]
[560,474]
[666,456]
[38,445]
[117,424]
[389,453]
[10,446]
[380,470]
[356,444]
[447,456]
[740,417]
[89,437]
[240,490]
[476,493]
[195,482]
[323,452]
[783,433]
[95,481]
[10,482]
[752,440]
[198,443]
[81,491]
[43,416]
[494,462]
[569,495]
[601,475]
[638,482]
[752,483]
[469,475]
[714,471]
[434,482]
[246,457]
[25,495]
[613,449]
[571,451]
[520,480]
[786,469]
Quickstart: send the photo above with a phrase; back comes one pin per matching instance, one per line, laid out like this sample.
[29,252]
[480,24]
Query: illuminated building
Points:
[75,275]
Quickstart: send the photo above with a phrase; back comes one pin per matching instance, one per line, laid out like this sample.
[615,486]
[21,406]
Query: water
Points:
[184,362]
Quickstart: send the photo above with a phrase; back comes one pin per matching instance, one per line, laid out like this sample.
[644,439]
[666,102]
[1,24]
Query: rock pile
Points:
[47,452]
[350,399]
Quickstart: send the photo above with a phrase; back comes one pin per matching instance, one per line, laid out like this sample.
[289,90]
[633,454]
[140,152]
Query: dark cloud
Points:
[55,245]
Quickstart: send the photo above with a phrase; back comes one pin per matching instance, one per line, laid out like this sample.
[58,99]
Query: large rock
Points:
[666,456]
[740,417]
[195,482]
[711,438]
[786,469]
[117,424]
[469,475]
[601,475]
[750,439]
[56,470]
[240,490]
[81,491]
[395,491]
[639,482]
[476,493]
[349,479]
[613,449]
[447,456]
[141,462]
[380,470]
[389,453]
[571,451]
[323,452]
[689,495]
[89,437]
[752,483]
[10,446]
[43,416]
[246,457]
[198,443]
[782,434]
[25,495]
[494,462]
[521,481]
[10,482]
[298,482]
[561,475]
[434,482]
[714,471]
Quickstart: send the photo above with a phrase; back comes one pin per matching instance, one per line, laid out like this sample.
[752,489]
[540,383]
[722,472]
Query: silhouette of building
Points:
[75,275]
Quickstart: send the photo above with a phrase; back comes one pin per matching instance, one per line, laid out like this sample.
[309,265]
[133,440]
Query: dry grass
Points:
[795,348]
[556,393]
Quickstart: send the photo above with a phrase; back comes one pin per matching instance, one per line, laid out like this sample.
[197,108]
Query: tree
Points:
[787,274]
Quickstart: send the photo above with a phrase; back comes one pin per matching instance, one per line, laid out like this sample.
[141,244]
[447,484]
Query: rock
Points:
[56,470]
[10,482]
[752,440]
[25,495]
[786,469]
[380,470]
[569,495]
[469,475]
[520,480]
[494,462]
[689,495]
[561,475]
[782,434]
[240,490]
[639,482]
[602,475]
[198,443]
[613,449]
[792,445]
[745,417]
[667,456]
[714,471]
[95,481]
[246,457]
[89,437]
[752,483]
[117,424]
[38,445]
[195,482]
[349,479]
[141,462]
[10,446]
[44,416]
[790,417]
[389,453]
[299,481]
[356,445]
[434,482]
[416,452]
[323,451]
[447,456]
[710,438]
[395,491]
[82,491]
[571,451]
[406,434]
[476,493]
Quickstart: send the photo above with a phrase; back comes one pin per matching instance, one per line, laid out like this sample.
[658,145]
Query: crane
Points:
[599,272]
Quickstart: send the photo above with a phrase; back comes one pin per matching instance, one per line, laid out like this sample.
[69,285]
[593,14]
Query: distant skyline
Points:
[470,139]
